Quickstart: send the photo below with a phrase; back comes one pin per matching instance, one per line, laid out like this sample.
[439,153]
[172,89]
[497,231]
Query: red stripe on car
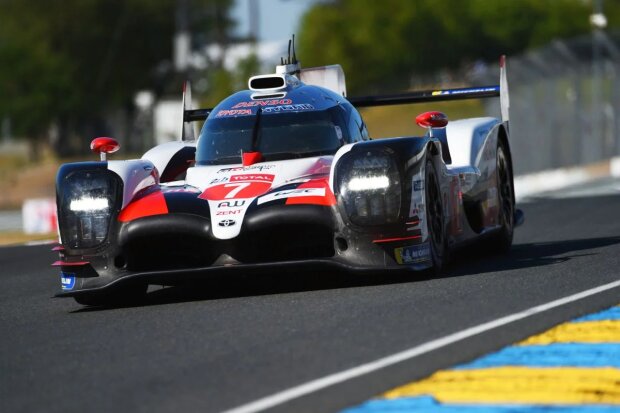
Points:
[328,200]
[70,263]
[152,204]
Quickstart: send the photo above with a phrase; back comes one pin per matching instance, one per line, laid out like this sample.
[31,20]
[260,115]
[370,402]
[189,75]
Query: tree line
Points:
[380,44]
[71,63]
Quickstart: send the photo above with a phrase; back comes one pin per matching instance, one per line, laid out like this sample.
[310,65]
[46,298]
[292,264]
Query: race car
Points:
[284,175]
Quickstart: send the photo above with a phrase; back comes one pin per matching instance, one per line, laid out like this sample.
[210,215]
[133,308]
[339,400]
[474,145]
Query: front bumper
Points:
[175,248]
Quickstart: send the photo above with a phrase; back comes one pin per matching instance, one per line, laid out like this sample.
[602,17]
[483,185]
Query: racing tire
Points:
[501,241]
[126,295]
[435,219]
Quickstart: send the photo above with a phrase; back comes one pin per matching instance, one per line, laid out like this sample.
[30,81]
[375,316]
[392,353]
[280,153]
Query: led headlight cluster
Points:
[370,187]
[87,203]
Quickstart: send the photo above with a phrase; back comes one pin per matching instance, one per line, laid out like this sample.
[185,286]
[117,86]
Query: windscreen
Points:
[276,135]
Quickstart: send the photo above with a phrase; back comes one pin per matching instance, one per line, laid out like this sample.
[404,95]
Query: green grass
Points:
[19,237]
[399,120]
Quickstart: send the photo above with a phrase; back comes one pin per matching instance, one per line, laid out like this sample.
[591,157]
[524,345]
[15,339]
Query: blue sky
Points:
[278,18]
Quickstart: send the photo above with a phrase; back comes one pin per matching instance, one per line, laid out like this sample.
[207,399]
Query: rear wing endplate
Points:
[187,128]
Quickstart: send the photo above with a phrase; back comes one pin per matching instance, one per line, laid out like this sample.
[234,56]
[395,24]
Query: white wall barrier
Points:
[39,216]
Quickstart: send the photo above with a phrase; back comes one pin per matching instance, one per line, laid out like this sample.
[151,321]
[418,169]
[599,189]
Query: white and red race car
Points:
[284,175]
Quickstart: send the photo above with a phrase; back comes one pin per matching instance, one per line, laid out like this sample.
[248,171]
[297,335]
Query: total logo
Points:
[226,223]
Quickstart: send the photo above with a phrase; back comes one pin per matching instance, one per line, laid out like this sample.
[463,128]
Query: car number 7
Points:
[238,188]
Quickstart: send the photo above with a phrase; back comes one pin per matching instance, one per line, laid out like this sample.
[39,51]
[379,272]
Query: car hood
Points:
[231,189]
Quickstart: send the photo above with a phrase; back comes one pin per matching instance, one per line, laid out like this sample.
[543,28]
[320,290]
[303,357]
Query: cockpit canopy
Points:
[303,122]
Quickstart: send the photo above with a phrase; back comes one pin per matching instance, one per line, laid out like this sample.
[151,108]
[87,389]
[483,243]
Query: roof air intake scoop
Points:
[267,82]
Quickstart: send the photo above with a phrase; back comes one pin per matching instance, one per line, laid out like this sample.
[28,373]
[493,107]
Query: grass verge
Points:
[19,237]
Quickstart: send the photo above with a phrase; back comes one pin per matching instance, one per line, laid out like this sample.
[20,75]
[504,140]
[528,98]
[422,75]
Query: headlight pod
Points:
[88,200]
[369,185]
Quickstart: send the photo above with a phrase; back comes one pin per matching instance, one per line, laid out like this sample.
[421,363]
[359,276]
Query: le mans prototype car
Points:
[284,175]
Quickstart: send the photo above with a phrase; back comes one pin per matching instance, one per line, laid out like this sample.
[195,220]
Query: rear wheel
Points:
[435,219]
[125,295]
[502,240]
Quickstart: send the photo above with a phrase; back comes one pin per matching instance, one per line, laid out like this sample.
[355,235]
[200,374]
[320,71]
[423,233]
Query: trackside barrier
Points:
[39,216]
[550,180]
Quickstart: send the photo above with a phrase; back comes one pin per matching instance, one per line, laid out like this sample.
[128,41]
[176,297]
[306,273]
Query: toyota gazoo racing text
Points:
[284,175]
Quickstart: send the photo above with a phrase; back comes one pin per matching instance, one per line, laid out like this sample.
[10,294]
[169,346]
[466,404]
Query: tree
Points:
[73,62]
[381,44]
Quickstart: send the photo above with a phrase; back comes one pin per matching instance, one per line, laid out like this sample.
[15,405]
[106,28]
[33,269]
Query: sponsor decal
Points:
[464,91]
[67,280]
[219,180]
[180,190]
[252,178]
[247,168]
[417,208]
[413,254]
[288,108]
[226,223]
[228,212]
[240,183]
[232,204]
[291,193]
[233,112]
[255,103]
[417,211]
[235,190]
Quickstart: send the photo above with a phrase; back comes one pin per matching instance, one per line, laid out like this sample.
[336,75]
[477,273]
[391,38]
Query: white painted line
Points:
[321,383]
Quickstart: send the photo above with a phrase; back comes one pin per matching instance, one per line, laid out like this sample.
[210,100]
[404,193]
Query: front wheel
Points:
[435,219]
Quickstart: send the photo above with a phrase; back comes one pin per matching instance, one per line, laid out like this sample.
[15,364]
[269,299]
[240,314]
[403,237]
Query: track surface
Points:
[229,342]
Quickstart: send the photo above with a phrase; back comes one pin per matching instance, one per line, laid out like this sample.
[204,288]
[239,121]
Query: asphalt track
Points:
[229,342]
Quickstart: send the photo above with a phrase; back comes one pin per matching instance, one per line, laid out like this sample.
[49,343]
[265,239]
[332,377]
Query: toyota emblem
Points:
[226,223]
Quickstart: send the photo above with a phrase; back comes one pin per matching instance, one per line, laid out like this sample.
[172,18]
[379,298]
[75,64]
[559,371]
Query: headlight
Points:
[87,202]
[369,185]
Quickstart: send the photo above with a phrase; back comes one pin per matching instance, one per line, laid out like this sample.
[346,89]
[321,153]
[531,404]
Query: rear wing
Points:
[427,96]
[422,96]
[334,78]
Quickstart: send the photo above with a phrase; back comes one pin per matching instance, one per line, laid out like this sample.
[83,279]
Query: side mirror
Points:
[104,145]
[430,120]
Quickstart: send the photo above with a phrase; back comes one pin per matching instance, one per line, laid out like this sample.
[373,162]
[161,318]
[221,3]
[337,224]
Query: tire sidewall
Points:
[438,249]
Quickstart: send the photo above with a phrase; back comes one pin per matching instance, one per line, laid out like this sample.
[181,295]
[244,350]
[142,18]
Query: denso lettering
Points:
[256,103]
